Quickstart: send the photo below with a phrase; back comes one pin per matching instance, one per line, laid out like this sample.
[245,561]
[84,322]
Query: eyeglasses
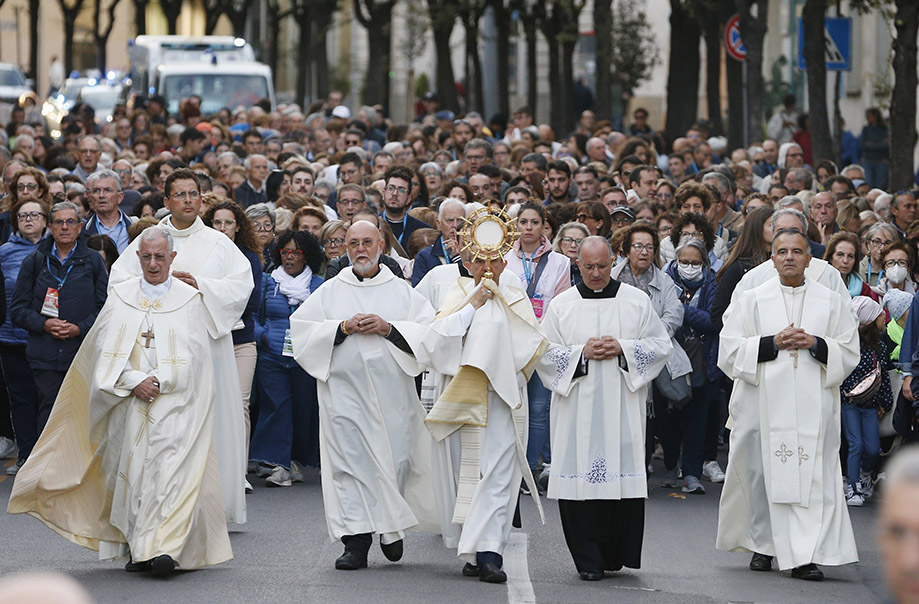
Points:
[262,226]
[879,242]
[183,195]
[29,215]
[642,248]
[570,240]
[227,222]
[395,189]
[693,234]
[583,217]
[692,264]
[665,230]
[288,253]
[70,222]
[333,242]
[893,263]
[366,243]
[26,186]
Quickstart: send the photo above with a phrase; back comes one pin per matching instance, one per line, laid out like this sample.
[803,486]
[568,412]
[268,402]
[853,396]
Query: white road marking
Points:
[519,588]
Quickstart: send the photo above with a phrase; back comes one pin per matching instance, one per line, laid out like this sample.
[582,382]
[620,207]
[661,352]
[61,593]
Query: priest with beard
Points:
[358,335]
[208,261]
[127,464]
[788,344]
[608,344]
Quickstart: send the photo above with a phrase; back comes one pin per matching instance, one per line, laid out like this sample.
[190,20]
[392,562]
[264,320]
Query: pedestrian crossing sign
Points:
[837,33]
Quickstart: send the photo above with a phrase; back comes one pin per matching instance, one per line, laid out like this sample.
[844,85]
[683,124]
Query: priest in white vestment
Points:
[788,345]
[127,463]
[209,261]
[483,346]
[608,344]
[358,335]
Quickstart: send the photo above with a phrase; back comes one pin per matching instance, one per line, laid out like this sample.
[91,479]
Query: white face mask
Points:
[896,274]
[689,272]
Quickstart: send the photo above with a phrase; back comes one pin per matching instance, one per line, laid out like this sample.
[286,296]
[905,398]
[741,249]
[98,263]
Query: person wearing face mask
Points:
[691,271]
[897,260]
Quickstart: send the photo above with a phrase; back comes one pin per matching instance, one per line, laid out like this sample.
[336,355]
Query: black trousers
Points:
[603,534]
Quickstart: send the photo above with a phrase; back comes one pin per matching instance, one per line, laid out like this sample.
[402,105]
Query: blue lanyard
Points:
[444,248]
[56,278]
[526,264]
[880,274]
[404,222]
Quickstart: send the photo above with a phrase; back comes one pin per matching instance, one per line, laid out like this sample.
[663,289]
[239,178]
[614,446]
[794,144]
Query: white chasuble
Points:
[374,449]
[783,494]
[598,420]
[224,278]
[482,359]
[110,470]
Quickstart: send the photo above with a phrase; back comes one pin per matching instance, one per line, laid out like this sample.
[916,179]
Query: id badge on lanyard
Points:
[538,304]
[288,348]
[51,306]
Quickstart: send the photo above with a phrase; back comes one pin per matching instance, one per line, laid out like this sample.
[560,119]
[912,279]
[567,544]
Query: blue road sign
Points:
[838,41]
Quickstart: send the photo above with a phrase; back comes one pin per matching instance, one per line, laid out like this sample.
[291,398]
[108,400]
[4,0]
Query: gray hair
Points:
[431,166]
[91,136]
[157,232]
[788,201]
[391,147]
[596,239]
[790,212]
[903,468]
[568,225]
[450,202]
[803,176]
[236,160]
[480,143]
[721,181]
[857,167]
[60,207]
[877,227]
[103,175]
[249,159]
[257,210]
[699,245]
[882,205]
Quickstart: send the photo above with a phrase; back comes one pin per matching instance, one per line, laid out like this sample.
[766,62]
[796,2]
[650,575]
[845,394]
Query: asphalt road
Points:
[283,555]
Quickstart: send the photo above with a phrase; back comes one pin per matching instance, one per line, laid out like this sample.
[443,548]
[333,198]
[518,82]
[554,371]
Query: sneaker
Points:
[692,485]
[524,489]
[712,470]
[14,469]
[670,480]
[263,470]
[650,469]
[853,497]
[280,477]
[296,472]
[248,487]
[251,467]
[866,485]
[658,452]
[8,448]
[543,480]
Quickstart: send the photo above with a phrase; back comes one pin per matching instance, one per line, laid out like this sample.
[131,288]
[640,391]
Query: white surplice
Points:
[783,493]
[598,420]
[114,473]
[374,448]
[224,277]
[479,421]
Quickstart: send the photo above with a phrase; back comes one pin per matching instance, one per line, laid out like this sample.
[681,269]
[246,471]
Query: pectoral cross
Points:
[147,336]
[793,353]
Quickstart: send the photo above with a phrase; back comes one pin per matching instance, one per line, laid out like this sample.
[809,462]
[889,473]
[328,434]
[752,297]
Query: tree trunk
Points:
[140,17]
[474,88]
[443,18]
[735,129]
[712,35]
[752,32]
[101,36]
[376,83]
[320,53]
[212,11]
[903,102]
[815,62]
[603,30]
[565,96]
[33,40]
[304,66]
[70,14]
[555,79]
[529,26]
[503,30]
[683,76]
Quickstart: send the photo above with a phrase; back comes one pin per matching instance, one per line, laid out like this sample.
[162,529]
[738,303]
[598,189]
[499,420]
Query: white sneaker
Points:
[8,448]
[248,487]
[865,485]
[853,497]
[713,471]
[279,478]
[296,472]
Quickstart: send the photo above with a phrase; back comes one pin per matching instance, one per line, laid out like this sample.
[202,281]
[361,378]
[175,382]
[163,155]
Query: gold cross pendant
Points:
[147,335]
[793,353]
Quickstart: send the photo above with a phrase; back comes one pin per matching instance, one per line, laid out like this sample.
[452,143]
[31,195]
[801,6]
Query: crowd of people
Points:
[276,215]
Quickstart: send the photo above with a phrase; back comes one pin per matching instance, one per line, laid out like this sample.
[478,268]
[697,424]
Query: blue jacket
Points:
[427,259]
[81,298]
[12,255]
[247,333]
[272,320]
[699,317]
[91,227]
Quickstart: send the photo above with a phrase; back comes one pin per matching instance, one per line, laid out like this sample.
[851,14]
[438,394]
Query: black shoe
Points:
[137,567]
[591,575]
[524,489]
[808,572]
[393,551]
[351,560]
[471,570]
[162,566]
[490,573]
[761,562]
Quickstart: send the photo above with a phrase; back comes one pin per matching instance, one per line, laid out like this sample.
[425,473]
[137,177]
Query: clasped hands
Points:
[602,348]
[61,329]
[367,325]
[794,338]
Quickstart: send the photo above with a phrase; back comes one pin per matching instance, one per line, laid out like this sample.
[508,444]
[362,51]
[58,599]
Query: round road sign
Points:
[732,42]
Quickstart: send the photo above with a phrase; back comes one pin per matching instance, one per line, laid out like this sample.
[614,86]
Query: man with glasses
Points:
[358,335]
[898,526]
[476,154]
[351,198]
[210,262]
[396,200]
[105,195]
[351,170]
[89,150]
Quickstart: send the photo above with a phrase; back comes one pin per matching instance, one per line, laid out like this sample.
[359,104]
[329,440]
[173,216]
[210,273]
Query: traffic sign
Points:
[837,33]
[732,42]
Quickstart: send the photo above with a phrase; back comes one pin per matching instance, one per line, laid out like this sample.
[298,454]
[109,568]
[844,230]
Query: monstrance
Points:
[489,233]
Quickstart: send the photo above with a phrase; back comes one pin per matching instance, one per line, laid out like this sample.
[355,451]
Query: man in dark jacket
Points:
[445,249]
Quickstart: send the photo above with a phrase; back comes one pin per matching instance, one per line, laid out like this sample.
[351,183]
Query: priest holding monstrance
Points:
[127,463]
[788,344]
[485,343]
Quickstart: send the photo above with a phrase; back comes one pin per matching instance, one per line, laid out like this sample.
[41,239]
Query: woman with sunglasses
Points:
[286,435]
